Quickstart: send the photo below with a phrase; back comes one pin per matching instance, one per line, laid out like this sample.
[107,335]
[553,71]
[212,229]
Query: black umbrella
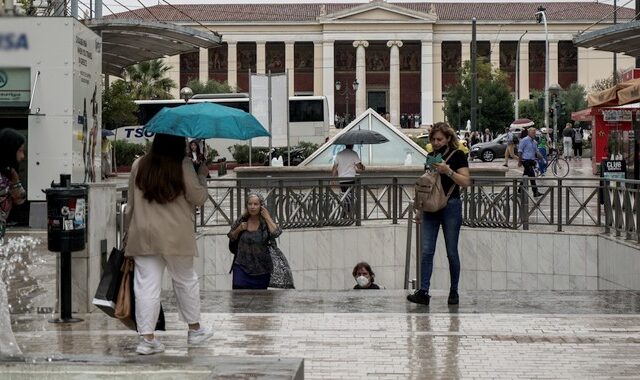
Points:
[359,137]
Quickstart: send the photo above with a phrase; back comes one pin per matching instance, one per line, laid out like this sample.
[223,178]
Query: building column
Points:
[495,55]
[523,85]
[232,64]
[327,78]
[361,76]
[317,70]
[553,62]
[261,57]
[427,83]
[436,74]
[174,73]
[204,65]
[465,52]
[394,81]
[289,65]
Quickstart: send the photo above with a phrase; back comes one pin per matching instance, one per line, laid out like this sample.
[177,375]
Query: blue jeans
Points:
[450,218]
[542,162]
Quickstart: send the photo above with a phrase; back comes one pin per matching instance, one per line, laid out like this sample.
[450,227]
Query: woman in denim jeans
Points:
[453,172]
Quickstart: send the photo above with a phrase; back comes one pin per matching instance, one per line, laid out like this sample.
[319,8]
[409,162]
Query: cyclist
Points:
[543,141]
[527,155]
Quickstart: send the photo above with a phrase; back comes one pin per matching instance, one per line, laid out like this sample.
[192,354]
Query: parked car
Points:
[491,150]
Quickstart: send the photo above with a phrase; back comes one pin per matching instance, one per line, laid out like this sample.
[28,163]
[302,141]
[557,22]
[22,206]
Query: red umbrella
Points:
[522,123]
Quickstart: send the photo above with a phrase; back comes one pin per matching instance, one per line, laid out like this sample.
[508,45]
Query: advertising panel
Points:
[15,87]
[87,105]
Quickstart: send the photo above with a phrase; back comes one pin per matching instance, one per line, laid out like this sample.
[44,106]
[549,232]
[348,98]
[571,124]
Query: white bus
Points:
[308,118]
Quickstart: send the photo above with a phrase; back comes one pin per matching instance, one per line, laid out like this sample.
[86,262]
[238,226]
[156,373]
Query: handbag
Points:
[125,309]
[107,292]
[281,276]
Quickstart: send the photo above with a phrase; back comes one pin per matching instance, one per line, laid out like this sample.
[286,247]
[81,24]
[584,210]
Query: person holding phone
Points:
[252,265]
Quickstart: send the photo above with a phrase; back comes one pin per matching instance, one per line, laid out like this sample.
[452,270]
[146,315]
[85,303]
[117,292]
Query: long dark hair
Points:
[447,132]
[10,141]
[160,171]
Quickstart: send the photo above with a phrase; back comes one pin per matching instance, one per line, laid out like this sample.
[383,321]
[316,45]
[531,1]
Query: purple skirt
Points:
[243,280]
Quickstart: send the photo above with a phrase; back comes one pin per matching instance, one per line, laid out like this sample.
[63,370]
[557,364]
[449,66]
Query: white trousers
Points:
[567,143]
[147,286]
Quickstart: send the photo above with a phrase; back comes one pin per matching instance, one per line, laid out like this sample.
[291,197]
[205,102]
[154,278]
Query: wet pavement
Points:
[378,335]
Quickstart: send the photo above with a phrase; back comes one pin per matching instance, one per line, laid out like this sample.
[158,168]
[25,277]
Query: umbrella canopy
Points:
[359,137]
[205,121]
[106,132]
[523,123]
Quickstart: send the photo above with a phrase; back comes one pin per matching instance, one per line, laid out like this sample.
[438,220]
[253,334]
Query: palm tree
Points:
[148,80]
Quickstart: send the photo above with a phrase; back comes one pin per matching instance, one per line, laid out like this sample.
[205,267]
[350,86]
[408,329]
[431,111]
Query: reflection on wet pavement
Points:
[351,334]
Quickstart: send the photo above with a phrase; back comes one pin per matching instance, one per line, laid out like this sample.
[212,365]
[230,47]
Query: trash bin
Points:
[66,233]
[66,216]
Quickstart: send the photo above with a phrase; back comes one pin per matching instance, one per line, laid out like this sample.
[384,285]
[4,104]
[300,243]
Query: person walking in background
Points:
[567,141]
[106,147]
[163,190]
[253,231]
[543,142]
[487,136]
[346,165]
[512,142]
[528,153]
[197,158]
[453,173]
[11,190]
[364,276]
[577,143]
[474,139]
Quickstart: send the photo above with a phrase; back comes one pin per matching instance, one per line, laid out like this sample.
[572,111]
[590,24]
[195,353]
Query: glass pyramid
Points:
[392,153]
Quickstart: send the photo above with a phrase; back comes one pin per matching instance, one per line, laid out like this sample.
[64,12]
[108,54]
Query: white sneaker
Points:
[199,336]
[150,347]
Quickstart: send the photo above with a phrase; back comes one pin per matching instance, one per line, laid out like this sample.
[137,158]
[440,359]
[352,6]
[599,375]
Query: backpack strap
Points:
[454,183]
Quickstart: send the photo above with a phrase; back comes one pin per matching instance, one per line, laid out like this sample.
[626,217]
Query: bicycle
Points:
[558,164]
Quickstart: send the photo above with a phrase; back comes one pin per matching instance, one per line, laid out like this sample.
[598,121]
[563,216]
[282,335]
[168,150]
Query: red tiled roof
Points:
[569,11]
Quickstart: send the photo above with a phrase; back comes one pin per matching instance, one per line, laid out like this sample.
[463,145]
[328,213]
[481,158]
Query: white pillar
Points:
[495,55]
[361,76]
[428,64]
[289,64]
[394,81]
[204,65]
[261,58]
[317,69]
[553,62]
[327,78]
[174,73]
[465,52]
[232,64]
[524,70]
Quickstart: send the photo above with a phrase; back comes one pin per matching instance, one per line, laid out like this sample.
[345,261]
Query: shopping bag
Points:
[125,309]
[107,292]
[281,276]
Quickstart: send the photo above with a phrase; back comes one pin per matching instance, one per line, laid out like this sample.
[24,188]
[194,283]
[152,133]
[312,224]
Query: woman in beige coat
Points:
[163,190]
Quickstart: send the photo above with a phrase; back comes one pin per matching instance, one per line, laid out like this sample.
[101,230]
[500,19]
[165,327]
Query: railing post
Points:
[524,204]
[471,204]
[608,211]
[514,206]
[358,195]
[281,201]
[407,259]
[394,205]
[418,254]
[321,204]
[560,205]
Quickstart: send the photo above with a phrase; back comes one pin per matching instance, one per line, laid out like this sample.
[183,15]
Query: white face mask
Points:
[362,281]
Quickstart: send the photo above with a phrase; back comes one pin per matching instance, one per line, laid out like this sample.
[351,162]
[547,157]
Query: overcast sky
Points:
[134,4]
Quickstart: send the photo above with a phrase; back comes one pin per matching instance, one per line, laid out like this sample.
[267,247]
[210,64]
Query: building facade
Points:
[403,56]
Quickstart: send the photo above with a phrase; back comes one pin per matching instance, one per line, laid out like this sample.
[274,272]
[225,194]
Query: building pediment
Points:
[378,12]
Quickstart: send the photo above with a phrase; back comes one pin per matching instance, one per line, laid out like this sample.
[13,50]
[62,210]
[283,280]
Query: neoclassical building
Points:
[403,55]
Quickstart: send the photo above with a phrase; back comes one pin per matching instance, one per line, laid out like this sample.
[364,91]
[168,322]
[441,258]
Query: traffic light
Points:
[561,107]
[551,111]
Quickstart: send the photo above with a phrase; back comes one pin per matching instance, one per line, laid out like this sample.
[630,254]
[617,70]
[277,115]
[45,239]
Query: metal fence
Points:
[489,202]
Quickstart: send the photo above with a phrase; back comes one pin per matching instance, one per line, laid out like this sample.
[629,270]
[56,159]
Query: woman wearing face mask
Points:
[364,276]
[11,190]
[453,172]
[252,265]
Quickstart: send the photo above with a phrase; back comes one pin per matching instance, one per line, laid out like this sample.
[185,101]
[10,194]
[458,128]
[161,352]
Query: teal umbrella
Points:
[205,121]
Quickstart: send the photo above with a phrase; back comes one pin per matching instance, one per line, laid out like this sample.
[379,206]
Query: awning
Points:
[127,42]
[618,38]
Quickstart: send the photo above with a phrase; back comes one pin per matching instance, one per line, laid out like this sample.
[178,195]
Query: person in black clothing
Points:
[454,172]
[364,276]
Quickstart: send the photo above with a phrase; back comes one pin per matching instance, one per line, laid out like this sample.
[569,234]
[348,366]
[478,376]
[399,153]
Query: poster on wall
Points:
[87,105]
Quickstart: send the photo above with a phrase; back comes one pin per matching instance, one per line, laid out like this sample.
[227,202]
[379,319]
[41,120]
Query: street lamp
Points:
[479,112]
[555,90]
[459,105]
[186,93]
[346,94]
[541,16]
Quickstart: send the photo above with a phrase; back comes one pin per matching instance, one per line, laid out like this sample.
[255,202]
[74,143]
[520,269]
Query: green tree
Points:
[496,110]
[211,87]
[148,80]
[606,83]
[571,100]
[118,108]
[533,109]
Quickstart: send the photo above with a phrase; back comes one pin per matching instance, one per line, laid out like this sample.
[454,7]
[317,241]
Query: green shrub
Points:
[240,153]
[211,154]
[127,152]
[308,147]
